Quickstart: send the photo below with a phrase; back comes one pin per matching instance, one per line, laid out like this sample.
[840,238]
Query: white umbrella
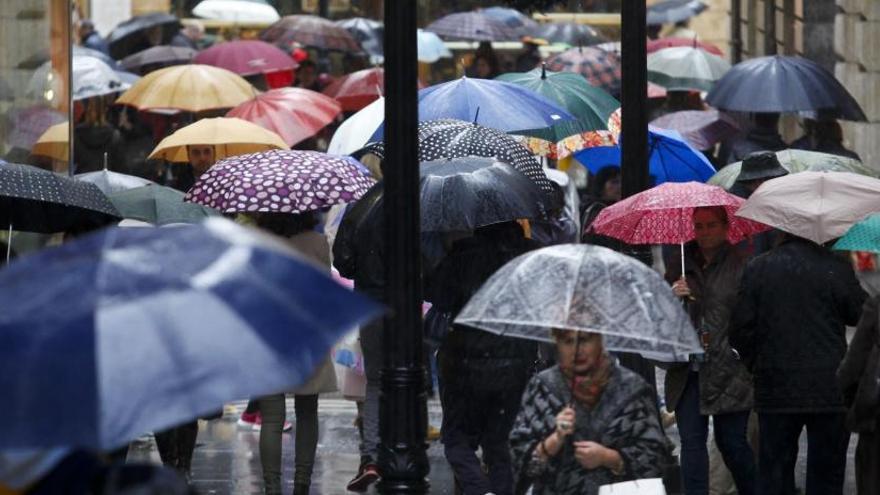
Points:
[431,47]
[237,10]
[355,132]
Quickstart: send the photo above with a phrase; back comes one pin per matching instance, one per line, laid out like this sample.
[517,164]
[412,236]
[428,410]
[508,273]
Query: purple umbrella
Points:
[28,124]
[280,181]
[700,128]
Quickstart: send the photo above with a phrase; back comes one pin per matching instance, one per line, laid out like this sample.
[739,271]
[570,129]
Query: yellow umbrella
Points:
[229,135]
[191,88]
[54,143]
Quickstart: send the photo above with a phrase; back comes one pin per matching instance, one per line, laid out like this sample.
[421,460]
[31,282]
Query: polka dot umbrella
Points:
[280,181]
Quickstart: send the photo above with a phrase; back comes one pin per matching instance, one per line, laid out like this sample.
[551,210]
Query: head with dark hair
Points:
[286,224]
[605,185]
[710,227]
[764,120]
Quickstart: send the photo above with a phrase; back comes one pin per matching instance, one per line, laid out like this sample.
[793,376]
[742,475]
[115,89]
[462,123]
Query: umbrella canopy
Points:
[685,68]
[513,18]
[311,31]
[473,26]
[295,114]
[110,182]
[236,10]
[701,128]
[36,200]
[54,143]
[159,205]
[664,214]
[159,55]
[354,133]
[91,77]
[128,35]
[818,206]
[672,159]
[158,332]
[783,84]
[190,88]
[246,57]
[661,43]
[230,136]
[357,89]
[601,68]
[673,11]
[369,33]
[799,161]
[863,236]
[587,289]
[26,125]
[431,48]
[570,33]
[281,182]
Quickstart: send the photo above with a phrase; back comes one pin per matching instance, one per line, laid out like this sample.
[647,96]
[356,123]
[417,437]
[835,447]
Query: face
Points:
[201,157]
[306,75]
[611,190]
[589,351]
[710,230]
[484,70]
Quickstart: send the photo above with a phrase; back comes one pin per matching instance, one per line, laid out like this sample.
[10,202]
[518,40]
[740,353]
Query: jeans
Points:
[730,436]
[827,441]
[273,409]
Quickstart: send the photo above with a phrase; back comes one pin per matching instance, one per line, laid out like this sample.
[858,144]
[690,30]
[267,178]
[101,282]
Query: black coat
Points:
[857,363]
[90,144]
[789,326]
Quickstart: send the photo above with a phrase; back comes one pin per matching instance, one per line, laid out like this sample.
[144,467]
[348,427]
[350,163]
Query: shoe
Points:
[367,475]
[301,489]
[258,424]
[247,420]
[433,433]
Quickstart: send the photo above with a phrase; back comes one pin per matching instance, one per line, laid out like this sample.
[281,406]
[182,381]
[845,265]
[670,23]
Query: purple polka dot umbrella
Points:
[280,181]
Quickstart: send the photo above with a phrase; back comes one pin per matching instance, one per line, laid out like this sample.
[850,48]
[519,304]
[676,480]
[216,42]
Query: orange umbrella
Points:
[191,88]
[295,114]
[230,137]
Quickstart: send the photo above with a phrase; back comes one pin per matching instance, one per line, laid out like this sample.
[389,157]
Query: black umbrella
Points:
[161,55]
[127,36]
[570,33]
[368,32]
[780,83]
[36,200]
[673,11]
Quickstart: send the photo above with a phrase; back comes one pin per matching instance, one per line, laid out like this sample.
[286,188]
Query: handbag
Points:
[650,486]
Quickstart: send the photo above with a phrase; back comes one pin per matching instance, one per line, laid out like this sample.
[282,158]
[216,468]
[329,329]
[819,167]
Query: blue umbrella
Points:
[672,159]
[134,330]
[497,104]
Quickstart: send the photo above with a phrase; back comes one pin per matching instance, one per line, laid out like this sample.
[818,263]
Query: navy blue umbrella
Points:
[128,36]
[778,83]
[134,330]
[673,11]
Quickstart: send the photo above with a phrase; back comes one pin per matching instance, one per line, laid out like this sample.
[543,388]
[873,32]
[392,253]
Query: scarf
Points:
[587,387]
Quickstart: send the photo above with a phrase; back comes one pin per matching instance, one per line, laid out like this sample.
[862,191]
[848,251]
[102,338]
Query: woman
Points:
[719,384]
[585,423]
[300,233]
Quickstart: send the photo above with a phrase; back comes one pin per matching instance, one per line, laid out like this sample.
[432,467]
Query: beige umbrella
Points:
[818,206]
[191,88]
[230,137]
[54,143]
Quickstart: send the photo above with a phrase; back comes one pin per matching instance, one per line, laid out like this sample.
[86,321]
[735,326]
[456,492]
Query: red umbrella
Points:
[246,57]
[659,44]
[358,89]
[295,114]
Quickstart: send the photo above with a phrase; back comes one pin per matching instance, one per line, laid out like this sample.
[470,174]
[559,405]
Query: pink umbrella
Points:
[358,89]
[701,128]
[659,44]
[295,114]
[246,57]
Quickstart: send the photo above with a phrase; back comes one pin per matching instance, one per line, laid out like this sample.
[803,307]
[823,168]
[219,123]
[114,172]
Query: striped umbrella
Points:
[473,26]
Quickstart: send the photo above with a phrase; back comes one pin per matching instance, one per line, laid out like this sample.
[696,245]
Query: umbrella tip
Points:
[543,70]
[476,115]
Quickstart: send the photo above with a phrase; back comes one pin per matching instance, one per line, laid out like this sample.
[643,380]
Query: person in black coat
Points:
[789,327]
[764,136]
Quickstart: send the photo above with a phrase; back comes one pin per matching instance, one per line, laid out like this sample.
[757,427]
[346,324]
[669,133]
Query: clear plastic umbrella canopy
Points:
[588,289]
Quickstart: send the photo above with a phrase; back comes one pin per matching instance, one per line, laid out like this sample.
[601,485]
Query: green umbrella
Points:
[684,68]
[799,161]
[591,105]
[863,236]
[159,205]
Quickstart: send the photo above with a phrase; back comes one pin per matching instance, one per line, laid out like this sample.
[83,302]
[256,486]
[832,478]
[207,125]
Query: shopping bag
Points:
[651,486]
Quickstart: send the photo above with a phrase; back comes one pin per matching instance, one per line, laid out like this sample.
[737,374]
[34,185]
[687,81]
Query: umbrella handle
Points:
[9,244]
[577,349]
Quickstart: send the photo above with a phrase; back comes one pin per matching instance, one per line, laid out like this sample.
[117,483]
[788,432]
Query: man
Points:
[201,157]
[90,38]
[764,136]
[789,327]
[757,168]
[189,36]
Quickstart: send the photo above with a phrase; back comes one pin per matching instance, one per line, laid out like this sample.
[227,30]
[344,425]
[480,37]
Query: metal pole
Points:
[736,41]
[403,461]
[634,105]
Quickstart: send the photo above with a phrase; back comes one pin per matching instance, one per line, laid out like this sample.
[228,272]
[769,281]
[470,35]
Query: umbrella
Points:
[130,33]
[41,57]
[701,128]
[601,68]
[656,91]
[358,89]
[159,205]
[431,48]
[230,136]
[236,11]
[473,26]
[783,84]
[163,55]
[570,33]
[128,78]
[587,289]
[280,181]
[110,182]
[684,68]
[863,236]
[661,43]
[799,161]
[354,133]
[36,200]
[246,57]
[91,77]
[191,88]
[295,114]
[673,11]
[134,330]
[818,206]
[672,159]
[28,124]
[512,18]
[54,143]
[369,33]
[311,31]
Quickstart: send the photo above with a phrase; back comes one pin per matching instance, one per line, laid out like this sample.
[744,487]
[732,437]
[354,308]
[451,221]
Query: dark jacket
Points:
[789,325]
[358,251]
[94,41]
[757,139]
[725,383]
[90,144]
[861,358]
[826,146]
